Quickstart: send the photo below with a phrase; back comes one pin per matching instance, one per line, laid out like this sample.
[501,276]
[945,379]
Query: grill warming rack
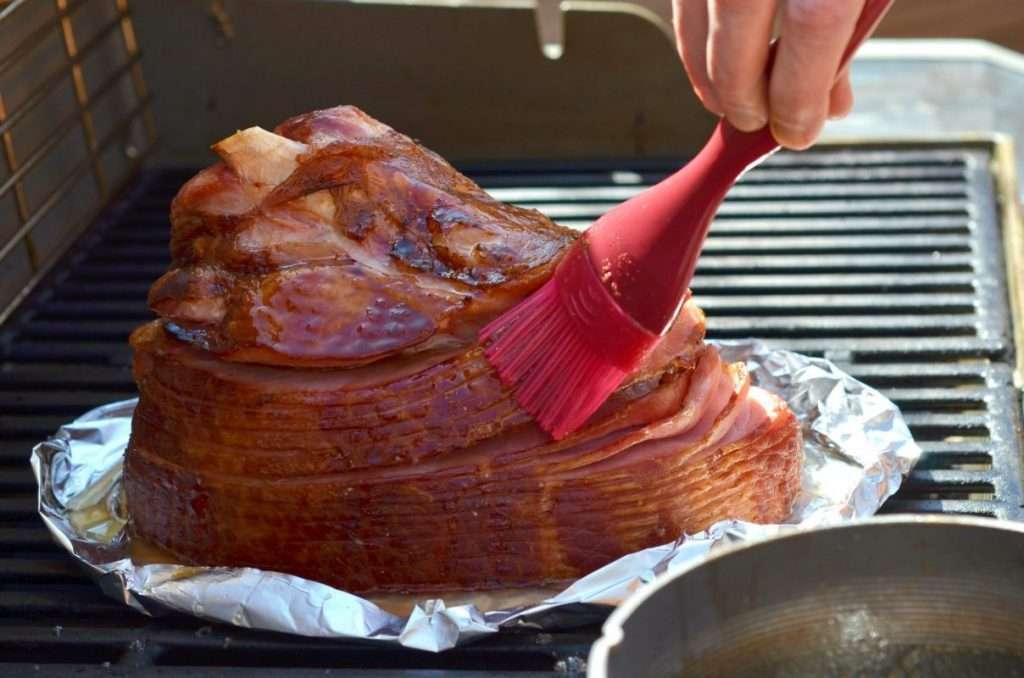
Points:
[75,124]
[889,261]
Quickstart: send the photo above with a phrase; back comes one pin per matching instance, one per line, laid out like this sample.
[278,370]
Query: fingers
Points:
[814,36]
[691,25]
[724,45]
[739,33]
[841,98]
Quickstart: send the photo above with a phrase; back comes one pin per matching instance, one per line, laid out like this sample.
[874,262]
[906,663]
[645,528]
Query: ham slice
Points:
[313,399]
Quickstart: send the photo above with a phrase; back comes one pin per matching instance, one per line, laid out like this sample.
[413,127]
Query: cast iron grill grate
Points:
[889,262]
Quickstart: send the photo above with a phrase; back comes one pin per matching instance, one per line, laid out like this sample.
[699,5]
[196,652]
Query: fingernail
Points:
[793,134]
[748,122]
[710,103]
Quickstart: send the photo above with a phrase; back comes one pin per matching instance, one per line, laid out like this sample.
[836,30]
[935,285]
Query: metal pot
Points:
[889,596]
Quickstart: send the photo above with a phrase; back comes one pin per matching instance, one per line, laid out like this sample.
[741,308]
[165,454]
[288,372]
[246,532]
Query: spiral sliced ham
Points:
[313,399]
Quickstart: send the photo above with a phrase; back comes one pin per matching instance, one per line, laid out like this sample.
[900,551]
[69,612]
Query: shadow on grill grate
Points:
[887,262]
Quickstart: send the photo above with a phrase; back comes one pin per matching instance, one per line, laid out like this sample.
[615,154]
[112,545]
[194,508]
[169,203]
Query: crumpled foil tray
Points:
[857,450]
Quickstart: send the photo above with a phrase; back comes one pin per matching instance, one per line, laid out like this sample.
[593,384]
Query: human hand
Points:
[724,45]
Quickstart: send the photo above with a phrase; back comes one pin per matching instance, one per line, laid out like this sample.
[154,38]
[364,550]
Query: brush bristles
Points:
[555,374]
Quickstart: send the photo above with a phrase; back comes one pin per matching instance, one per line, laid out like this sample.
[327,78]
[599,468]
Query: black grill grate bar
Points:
[764,174]
[14,450]
[79,330]
[17,505]
[861,159]
[778,209]
[63,353]
[29,569]
[860,245]
[212,647]
[966,480]
[130,271]
[929,399]
[16,487]
[16,480]
[838,190]
[151,237]
[904,373]
[94,306]
[955,422]
[94,661]
[873,176]
[211,637]
[156,253]
[979,508]
[142,218]
[955,461]
[835,304]
[874,350]
[975,486]
[126,290]
[57,400]
[36,426]
[852,325]
[83,601]
[755,284]
[854,159]
[842,225]
[947,447]
[27,375]
[832,263]
[29,536]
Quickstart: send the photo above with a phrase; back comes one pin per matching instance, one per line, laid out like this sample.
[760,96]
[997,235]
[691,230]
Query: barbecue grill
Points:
[889,259]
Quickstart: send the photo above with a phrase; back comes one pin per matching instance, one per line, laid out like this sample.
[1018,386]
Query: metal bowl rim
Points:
[613,633]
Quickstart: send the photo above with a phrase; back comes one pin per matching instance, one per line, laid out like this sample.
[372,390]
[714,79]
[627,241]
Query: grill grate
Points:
[886,261]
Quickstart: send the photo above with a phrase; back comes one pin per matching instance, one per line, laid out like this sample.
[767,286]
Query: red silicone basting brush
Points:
[569,345]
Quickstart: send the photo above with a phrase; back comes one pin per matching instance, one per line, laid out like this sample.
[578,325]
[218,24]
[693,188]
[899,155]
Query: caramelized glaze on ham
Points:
[314,401]
[338,241]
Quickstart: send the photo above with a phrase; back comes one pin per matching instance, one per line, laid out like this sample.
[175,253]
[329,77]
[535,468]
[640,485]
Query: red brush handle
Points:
[645,250]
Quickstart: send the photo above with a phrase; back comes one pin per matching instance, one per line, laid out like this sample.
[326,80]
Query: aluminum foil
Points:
[857,450]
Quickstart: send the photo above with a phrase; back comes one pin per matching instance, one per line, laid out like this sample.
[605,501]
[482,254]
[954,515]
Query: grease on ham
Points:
[313,399]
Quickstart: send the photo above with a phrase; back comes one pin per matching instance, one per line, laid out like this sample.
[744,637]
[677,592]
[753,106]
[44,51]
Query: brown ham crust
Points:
[502,508]
[338,241]
[314,400]
[274,421]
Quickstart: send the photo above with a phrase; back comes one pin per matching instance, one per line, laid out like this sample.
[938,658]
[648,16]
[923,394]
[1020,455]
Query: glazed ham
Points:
[313,399]
[337,241]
